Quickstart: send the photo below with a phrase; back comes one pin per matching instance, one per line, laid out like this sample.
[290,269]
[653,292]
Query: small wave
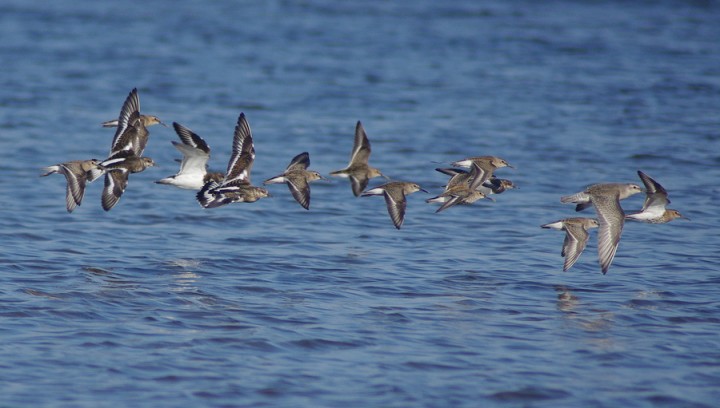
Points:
[530,394]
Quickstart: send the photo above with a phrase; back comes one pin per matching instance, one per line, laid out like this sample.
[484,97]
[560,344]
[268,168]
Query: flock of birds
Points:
[611,217]
[471,179]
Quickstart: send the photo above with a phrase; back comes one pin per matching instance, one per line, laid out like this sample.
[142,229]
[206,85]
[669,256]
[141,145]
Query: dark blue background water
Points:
[162,303]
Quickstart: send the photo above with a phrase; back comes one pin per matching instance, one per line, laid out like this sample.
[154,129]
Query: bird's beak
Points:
[164,124]
[424,191]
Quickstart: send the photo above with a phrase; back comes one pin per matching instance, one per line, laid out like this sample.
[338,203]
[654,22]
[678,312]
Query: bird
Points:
[654,209]
[395,193]
[496,185]
[235,187]
[576,237]
[298,178]
[358,170]
[457,176]
[461,190]
[493,185]
[117,170]
[131,133]
[76,175]
[605,198]
[488,164]
[193,173]
[126,150]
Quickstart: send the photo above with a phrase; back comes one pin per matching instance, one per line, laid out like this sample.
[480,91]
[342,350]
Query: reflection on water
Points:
[567,302]
[185,278]
[34,292]
[587,319]
[184,263]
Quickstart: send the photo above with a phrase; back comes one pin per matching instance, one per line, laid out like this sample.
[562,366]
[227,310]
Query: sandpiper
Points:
[235,187]
[131,133]
[457,176]
[298,179]
[117,170]
[461,190]
[76,174]
[488,164]
[606,200]
[395,193]
[654,209]
[496,185]
[193,172]
[358,170]
[493,185]
[576,237]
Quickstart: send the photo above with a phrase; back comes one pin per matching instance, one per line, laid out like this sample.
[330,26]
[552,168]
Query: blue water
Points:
[160,303]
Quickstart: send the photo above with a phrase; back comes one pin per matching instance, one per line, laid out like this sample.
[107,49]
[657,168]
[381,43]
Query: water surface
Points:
[162,303]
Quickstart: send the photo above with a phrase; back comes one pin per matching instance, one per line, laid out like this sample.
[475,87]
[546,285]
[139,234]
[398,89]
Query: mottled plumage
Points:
[214,195]
[606,200]
[395,193]
[76,174]
[235,186]
[461,189]
[487,165]
[493,185]
[654,208]
[576,237]
[496,186]
[298,179]
[131,133]
[118,169]
[358,170]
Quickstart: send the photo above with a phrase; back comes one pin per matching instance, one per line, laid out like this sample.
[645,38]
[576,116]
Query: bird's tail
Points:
[581,197]
[553,225]
[50,170]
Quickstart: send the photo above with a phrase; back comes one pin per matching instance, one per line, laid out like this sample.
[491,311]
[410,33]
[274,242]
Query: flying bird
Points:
[235,187]
[358,170]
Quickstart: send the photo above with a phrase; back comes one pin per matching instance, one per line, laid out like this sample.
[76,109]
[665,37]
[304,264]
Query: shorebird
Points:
[193,172]
[606,200]
[76,175]
[131,133]
[654,209]
[235,187]
[117,170]
[395,193]
[496,185]
[461,190]
[358,170]
[576,237]
[488,164]
[493,185]
[298,179]
[126,150]
[456,176]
